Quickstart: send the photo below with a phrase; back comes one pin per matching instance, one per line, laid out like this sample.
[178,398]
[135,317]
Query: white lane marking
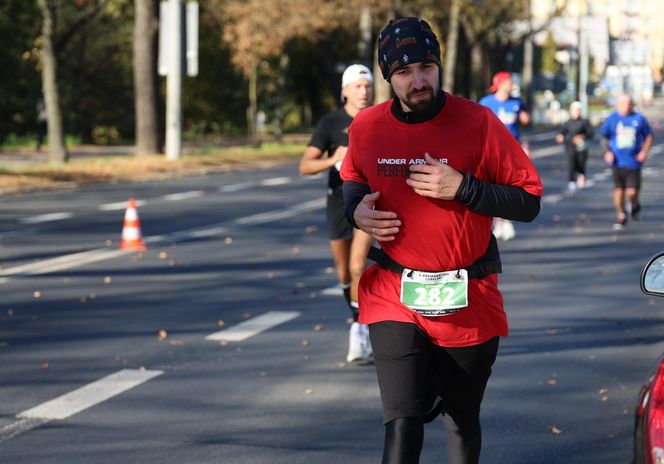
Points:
[119,205]
[236,187]
[76,401]
[89,395]
[262,218]
[254,326]
[275,181]
[548,151]
[333,290]
[183,195]
[45,218]
[552,198]
[62,262]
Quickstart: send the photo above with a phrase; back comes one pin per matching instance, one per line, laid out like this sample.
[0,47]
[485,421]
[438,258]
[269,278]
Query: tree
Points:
[56,146]
[146,80]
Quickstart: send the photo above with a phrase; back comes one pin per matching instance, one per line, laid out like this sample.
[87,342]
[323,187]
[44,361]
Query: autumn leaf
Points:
[555,430]
[163,334]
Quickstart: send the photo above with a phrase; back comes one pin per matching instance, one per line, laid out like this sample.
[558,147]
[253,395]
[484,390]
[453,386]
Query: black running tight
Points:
[403,440]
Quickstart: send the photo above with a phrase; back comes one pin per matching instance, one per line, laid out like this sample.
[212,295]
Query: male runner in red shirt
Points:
[425,173]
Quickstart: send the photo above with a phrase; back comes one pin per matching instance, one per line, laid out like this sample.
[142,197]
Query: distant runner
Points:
[629,138]
[326,151]
[576,134]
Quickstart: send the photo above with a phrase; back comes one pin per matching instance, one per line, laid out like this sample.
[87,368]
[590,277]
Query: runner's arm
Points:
[353,194]
[505,201]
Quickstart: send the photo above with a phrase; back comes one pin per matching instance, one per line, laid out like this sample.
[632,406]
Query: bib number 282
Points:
[434,293]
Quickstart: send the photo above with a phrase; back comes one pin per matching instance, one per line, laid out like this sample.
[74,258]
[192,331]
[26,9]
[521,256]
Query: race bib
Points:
[434,293]
[625,136]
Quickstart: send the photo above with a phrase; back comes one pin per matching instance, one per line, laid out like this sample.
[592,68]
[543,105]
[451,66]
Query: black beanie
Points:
[405,41]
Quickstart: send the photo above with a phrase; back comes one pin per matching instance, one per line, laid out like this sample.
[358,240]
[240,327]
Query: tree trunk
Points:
[451,45]
[382,89]
[146,79]
[475,71]
[252,110]
[56,146]
[364,47]
[284,62]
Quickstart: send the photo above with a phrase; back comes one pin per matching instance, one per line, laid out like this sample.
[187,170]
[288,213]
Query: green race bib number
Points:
[434,293]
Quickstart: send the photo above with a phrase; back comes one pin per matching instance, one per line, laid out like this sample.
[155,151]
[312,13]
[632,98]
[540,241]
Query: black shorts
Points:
[338,226]
[625,178]
[412,372]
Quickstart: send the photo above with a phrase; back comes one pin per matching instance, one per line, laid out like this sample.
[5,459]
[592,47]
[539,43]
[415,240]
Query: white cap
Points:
[355,72]
[576,105]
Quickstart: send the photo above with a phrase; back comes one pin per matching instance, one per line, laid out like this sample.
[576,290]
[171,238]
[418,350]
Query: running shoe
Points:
[508,230]
[581,181]
[358,345]
[621,222]
[571,188]
[498,228]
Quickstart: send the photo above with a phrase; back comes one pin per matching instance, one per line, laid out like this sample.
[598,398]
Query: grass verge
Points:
[127,168]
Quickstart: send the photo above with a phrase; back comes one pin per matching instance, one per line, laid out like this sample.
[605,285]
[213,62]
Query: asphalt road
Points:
[104,356]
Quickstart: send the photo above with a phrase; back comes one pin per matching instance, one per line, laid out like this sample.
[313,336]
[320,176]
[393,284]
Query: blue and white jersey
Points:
[507,111]
[626,135]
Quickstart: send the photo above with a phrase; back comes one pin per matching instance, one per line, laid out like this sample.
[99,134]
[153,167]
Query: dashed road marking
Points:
[334,290]
[252,327]
[77,401]
[46,218]
[275,181]
[183,195]
[119,205]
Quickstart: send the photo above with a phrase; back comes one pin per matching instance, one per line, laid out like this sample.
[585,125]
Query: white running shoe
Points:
[498,228]
[571,188]
[581,181]
[359,347]
[508,230]
[366,341]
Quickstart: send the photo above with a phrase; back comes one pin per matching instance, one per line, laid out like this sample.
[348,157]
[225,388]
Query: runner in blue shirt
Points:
[512,112]
[629,138]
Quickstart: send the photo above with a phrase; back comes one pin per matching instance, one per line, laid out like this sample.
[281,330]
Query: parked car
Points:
[649,416]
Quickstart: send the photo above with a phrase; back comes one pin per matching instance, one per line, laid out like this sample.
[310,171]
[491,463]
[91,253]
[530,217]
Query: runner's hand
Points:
[381,225]
[434,179]
[641,156]
[339,154]
[608,157]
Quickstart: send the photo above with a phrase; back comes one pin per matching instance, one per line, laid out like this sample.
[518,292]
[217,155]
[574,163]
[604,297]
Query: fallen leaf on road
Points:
[552,382]
[270,275]
[142,369]
[10,312]
[342,365]
[109,243]
[552,331]
[220,323]
[318,327]
[172,262]
[295,251]
[107,280]
[310,229]
[83,300]
[44,365]
[92,296]
[604,398]
[163,255]
[555,430]
[37,294]
[163,334]
[312,295]
[329,270]
[228,240]
[603,391]
[247,315]
[305,342]
[223,343]
[176,342]
[308,391]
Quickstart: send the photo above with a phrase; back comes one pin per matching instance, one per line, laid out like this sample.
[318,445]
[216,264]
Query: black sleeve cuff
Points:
[353,194]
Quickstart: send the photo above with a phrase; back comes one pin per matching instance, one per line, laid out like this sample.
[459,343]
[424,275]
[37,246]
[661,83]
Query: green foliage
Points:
[549,65]
[20,83]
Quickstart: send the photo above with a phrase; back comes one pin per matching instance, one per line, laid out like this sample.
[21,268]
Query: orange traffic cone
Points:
[131,230]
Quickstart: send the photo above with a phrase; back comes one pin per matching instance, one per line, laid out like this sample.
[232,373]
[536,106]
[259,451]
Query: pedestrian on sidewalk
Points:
[326,151]
[425,174]
[576,133]
[628,140]
[512,112]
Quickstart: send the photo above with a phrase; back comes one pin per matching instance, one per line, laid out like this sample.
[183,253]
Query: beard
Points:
[421,100]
